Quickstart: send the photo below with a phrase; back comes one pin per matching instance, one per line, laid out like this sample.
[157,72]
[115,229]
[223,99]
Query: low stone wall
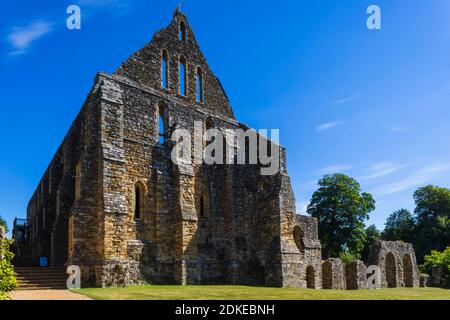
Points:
[333,274]
[356,275]
[424,280]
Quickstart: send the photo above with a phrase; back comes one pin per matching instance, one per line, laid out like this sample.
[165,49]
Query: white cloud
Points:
[423,176]
[382,169]
[347,99]
[21,38]
[337,168]
[329,125]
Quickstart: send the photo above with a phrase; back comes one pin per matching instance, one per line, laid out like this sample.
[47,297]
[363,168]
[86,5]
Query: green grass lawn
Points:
[259,293]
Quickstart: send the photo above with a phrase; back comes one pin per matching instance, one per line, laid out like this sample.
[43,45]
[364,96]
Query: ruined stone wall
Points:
[301,249]
[64,217]
[200,224]
[333,274]
[196,224]
[397,262]
[237,236]
[356,275]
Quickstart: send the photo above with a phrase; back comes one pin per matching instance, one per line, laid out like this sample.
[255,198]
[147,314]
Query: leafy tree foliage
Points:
[3,223]
[7,274]
[399,226]
[372,235]
[341,210]
[441,259]
[432,219]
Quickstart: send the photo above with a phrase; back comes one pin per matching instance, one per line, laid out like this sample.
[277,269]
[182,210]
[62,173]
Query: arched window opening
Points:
[408,274]
[162,123]
[182,31]
[199,85]
[298,238]
[162,130]
[390,271]
[182,83]
[138,201]
[310,278]
[165,70]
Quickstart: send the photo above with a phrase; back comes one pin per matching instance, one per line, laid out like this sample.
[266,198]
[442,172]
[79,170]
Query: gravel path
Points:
[46,295]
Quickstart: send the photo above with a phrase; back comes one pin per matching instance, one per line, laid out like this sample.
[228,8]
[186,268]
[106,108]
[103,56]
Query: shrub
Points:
[8,280]
[3,296]
[348,257]
[442,259]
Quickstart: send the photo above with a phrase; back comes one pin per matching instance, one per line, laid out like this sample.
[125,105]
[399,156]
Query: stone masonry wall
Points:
[356,275]
[397,262]
[333,274]
[196,224]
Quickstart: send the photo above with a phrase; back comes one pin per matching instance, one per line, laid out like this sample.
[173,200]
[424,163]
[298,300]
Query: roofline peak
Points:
[178,12]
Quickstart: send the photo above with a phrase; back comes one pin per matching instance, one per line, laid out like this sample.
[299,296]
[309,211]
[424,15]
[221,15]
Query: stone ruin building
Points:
[113,202]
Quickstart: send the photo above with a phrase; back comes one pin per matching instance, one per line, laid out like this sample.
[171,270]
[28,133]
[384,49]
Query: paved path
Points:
[46,295]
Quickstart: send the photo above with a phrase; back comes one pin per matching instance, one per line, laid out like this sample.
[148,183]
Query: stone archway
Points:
[391,273]
[408,278]
[310,278]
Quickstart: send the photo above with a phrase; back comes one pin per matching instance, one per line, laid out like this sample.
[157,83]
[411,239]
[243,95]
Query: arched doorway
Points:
[310,278]
[407,271]
[391,274]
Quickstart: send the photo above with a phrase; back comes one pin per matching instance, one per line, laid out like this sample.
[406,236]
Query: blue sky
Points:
[371,104]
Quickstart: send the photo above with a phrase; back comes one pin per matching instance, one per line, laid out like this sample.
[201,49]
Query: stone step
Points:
[42,288]
[34,278]
[31,280]
[38,268]
[43,284]
[40,276]
[40,272]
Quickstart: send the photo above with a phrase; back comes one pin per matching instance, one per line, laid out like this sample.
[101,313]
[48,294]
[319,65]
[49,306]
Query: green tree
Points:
[432,215]
[341,210]
[3,223]
[442,259]
[399,226]
[372,235]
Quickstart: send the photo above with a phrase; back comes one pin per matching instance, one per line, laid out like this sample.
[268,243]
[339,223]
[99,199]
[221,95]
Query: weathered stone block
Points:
[424,280]
[356,275]
[333,274]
